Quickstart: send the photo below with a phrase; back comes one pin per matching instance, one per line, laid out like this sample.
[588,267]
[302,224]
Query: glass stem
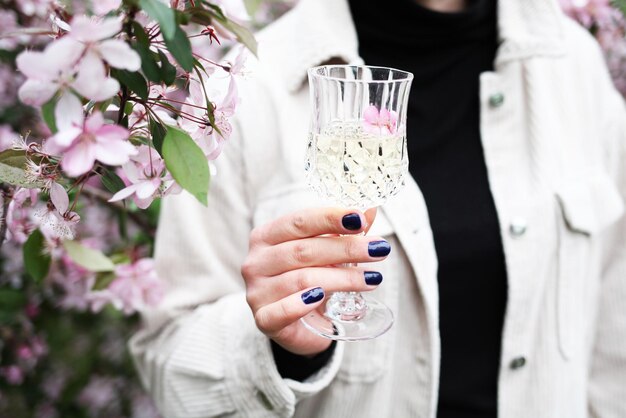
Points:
[347,306]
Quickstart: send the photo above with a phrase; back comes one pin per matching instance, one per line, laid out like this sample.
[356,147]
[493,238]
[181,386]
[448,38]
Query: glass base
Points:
[375,321]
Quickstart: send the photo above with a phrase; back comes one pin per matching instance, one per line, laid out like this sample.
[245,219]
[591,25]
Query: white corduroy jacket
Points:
[555,150]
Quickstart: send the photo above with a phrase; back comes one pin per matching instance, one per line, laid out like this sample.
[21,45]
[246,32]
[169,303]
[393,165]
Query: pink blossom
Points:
[381,122]
[20,219]
[57,220]
[94,34]
[148,179]
[80,142]
[210,140]
[77,61]
[8,23]
[13,375]
[75,281]
[99,395]
[7,137]
[48,71]
[102,7]
[135,288]
[34,7]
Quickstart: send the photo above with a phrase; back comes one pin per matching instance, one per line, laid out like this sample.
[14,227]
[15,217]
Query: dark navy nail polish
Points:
[373,278]
[314,295]
[351,222]
[378,248]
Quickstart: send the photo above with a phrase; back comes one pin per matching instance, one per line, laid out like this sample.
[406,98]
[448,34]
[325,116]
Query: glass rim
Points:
[312,73]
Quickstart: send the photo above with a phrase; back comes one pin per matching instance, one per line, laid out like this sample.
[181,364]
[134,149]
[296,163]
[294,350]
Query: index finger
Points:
[311,223]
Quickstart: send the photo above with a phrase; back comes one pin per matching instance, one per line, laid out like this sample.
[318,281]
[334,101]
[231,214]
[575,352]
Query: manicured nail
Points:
[378,248]
[373,278]
[351,222]
[314,295]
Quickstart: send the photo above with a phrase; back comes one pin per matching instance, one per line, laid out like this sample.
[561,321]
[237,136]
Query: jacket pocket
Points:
[587,207]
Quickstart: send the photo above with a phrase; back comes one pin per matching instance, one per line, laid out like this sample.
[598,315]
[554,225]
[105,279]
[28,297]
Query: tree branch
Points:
[103,197]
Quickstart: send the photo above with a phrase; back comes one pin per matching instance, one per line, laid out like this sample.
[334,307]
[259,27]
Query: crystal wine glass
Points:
[356,158]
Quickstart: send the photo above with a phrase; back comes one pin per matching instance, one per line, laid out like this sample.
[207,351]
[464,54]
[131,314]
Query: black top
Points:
[447,52]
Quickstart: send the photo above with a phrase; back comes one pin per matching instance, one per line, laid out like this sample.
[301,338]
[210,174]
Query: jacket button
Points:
[518,363]
[518,227]
[496,100]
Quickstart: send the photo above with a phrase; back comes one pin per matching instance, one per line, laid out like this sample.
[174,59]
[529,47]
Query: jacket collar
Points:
[315,31]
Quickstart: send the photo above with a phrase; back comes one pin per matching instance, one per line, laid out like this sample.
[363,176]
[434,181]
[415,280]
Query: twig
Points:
[103,197]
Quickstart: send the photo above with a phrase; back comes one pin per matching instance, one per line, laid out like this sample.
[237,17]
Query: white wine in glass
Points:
[357,158]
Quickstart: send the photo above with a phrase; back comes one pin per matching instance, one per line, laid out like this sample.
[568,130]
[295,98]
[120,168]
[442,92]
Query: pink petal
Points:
[111,133]
[124,193]
[198,97]
[143,203]
[102,7]
[94,122]
[37,93]
[29,64]
[68,112]
[92,81]
[370,115]
[384,117]
[230,100]
[114,152]
[132,172]
[63,139]
[147,188]
[62,54]
[59,198]
[79,159]
[89,30]
[120,55]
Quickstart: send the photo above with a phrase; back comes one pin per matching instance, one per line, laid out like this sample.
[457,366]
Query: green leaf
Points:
[103,280]
[47,114]
[88,258]
[112,182]
[180,48]
[162,14]
[132,80]
[252,6]
[36,261]
[157,131]
[187,163]
[149,66]
[12,300]
[12,169]
[140,34]
[168,71]
[242,34]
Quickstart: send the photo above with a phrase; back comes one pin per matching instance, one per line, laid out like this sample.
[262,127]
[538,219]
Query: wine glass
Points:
[356,158]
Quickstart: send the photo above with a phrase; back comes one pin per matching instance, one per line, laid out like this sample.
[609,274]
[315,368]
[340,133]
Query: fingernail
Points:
[351,221]
[378,248]
[313,295]
[373,278]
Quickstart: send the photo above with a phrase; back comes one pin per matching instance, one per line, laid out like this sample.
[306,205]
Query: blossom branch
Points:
[103,197]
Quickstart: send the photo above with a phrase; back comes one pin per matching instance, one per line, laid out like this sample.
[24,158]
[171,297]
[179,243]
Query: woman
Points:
[504,260]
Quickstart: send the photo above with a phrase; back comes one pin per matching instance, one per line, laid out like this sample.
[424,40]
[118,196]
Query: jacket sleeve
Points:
[607,385]
[200,354]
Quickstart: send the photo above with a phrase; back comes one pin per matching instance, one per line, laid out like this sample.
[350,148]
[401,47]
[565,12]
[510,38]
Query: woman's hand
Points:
[291,268]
